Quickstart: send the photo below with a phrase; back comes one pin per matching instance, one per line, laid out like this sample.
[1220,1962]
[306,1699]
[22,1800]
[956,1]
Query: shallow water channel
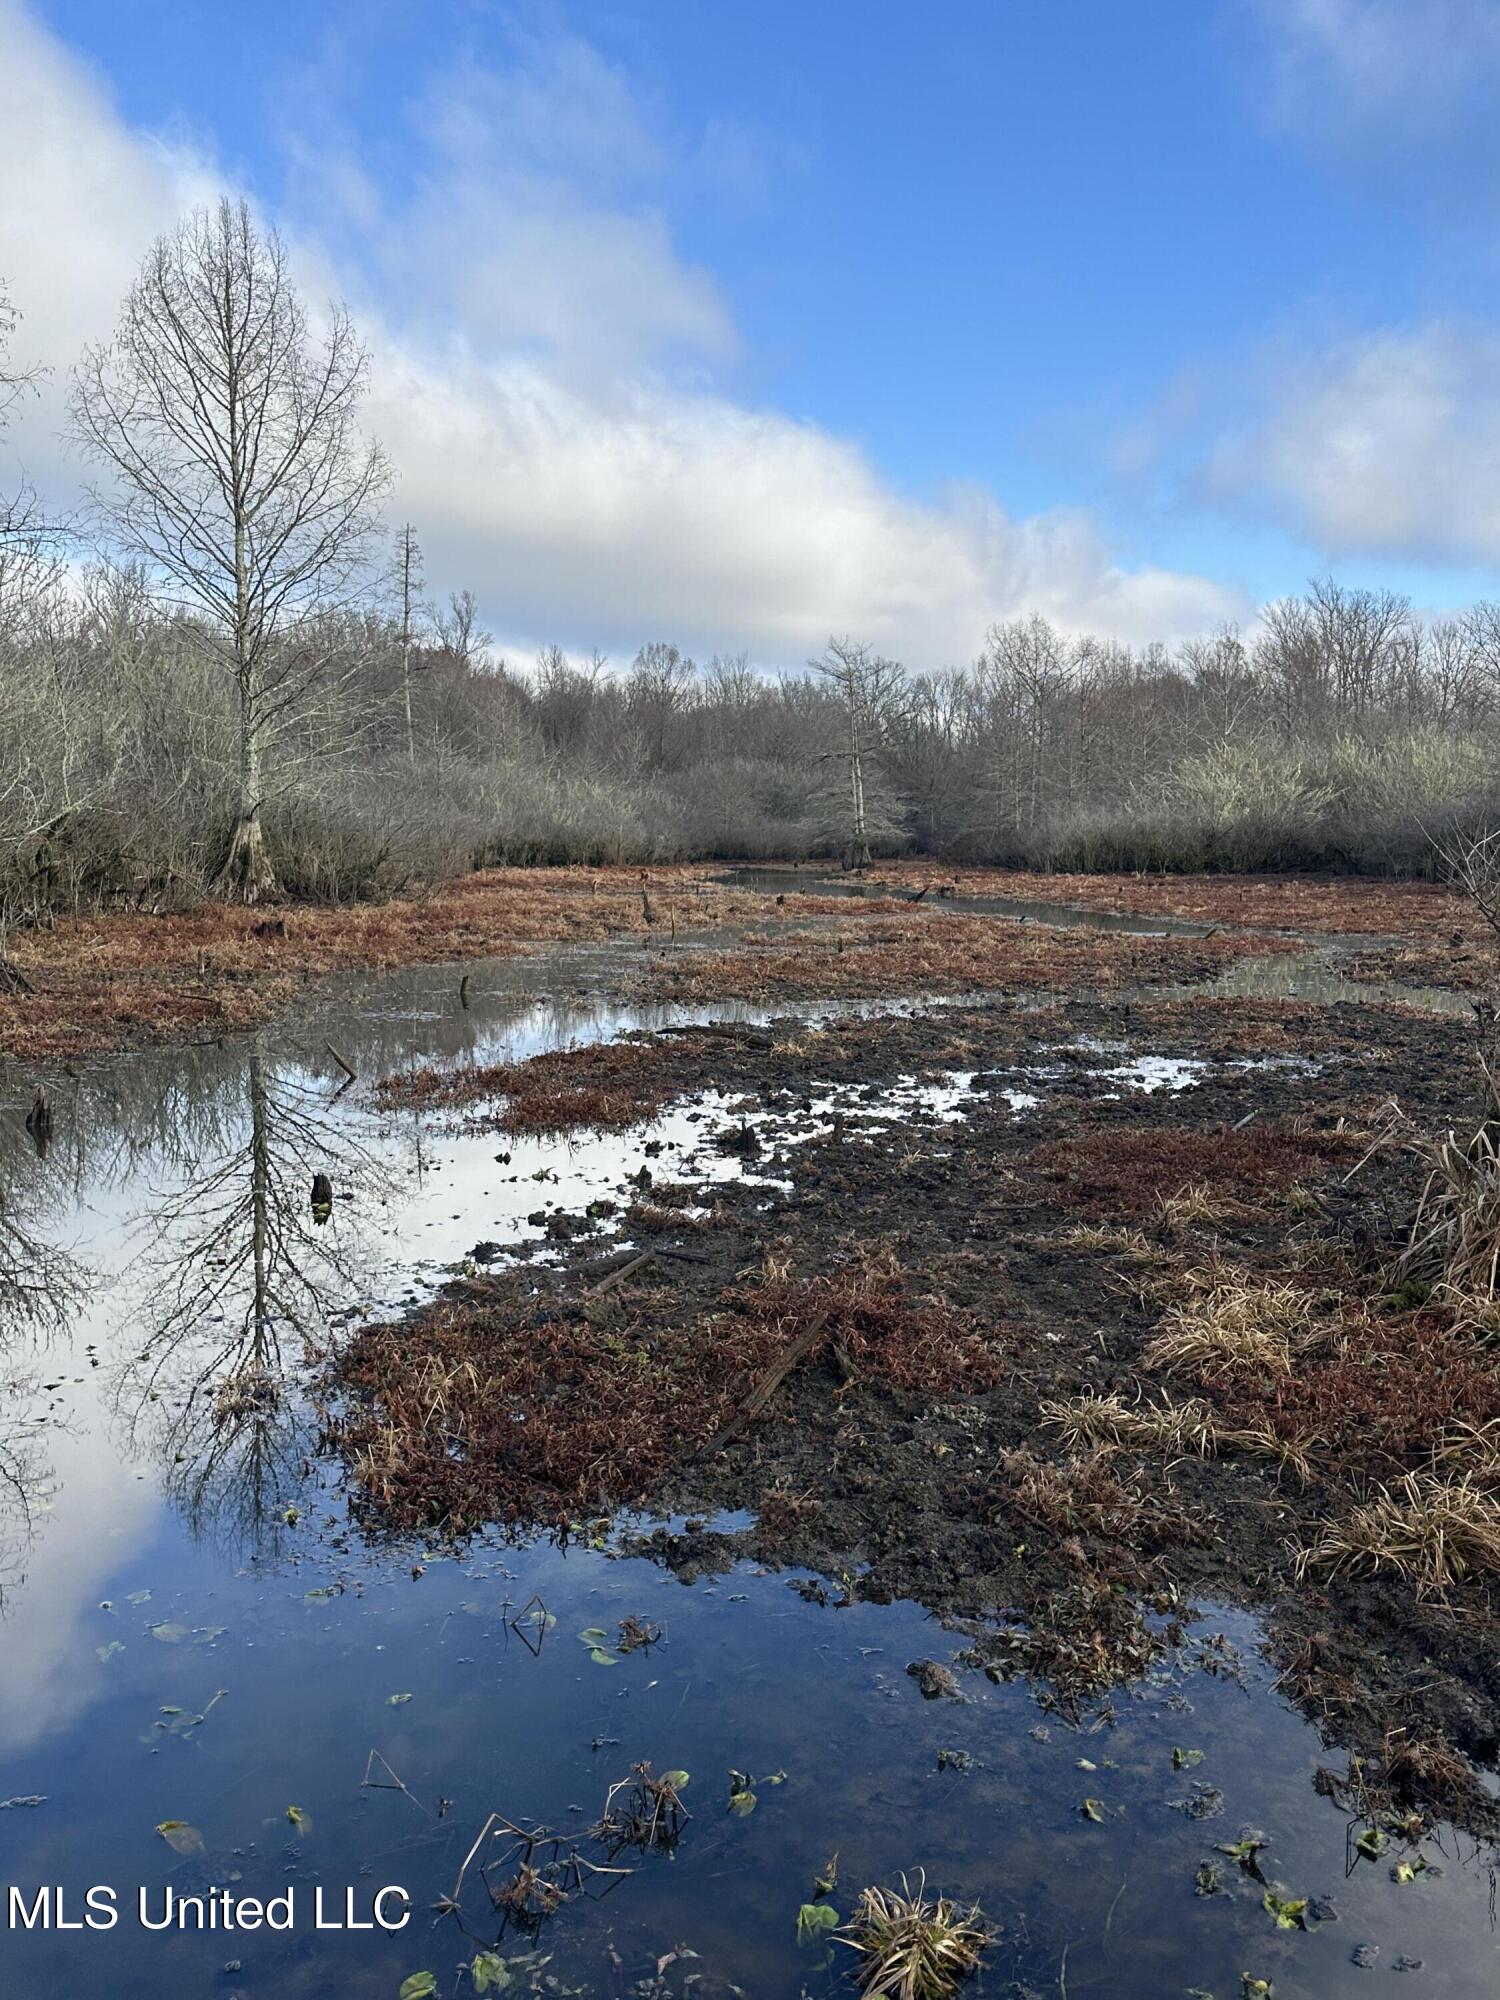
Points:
[194,1635]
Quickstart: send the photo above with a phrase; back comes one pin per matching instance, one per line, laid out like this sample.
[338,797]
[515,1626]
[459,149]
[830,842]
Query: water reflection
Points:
[244,1262]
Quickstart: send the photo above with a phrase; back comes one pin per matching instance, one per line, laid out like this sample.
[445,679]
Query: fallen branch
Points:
[768,1382]
[622,1272]
[346,1066]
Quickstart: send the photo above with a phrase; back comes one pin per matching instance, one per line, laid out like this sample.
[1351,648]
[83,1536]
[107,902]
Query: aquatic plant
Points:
[912,1946]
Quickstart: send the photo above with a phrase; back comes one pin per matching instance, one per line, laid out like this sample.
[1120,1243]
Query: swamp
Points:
[795,1434]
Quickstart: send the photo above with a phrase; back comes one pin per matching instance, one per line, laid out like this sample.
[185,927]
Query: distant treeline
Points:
[245,697]
[1343,736]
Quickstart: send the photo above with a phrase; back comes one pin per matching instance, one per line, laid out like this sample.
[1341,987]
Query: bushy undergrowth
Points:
[1347,737]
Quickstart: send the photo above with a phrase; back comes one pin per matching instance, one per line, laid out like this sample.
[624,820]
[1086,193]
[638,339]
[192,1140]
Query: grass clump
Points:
[1452,1251]
[1431,1531]
[911,1946]
[1235,1326]
[1189,1429]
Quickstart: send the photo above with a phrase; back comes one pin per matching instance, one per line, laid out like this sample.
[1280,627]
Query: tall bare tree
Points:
[228,433]
[408,580]
[869,688]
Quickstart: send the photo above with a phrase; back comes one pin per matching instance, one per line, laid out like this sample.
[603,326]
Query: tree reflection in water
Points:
[246,1261]
[40,1286]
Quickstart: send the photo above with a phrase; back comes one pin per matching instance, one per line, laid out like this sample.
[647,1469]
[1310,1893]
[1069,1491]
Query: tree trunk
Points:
[247,874]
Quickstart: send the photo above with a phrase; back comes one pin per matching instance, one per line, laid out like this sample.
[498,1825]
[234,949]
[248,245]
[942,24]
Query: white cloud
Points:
[1407,84]
[1388,444]
[550,401]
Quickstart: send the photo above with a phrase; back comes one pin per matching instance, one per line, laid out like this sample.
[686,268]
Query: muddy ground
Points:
[123,978]
[958,1278]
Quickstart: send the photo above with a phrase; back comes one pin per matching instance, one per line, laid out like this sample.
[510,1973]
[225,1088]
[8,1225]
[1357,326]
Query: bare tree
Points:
[868,687]
[29,554]
[409,591]
[236,469]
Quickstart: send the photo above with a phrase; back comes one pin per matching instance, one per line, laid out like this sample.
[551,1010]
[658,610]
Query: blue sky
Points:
[1134,314]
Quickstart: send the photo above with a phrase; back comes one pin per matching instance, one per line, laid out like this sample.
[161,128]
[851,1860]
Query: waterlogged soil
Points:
[340,1515]
[944,1183]
[129,978]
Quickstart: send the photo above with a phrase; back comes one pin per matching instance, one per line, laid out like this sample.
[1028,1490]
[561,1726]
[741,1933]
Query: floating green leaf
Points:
[138,1597]
[419,1986]
[1245,1852]
[1408,1871]
[397,1700]
[676,1779]
[489,1972]
[1184,1760]
[169,1633]
[1092,1809]
[814,1921]
[300,1819]
[1373,1842]
[828,1881]
[108,1652]
[1290,1913]
[180,1837]
[594,1635]
[602,1659]
[741,1797]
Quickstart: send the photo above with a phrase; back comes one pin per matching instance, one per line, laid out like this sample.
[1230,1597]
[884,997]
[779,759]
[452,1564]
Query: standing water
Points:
[211,1681]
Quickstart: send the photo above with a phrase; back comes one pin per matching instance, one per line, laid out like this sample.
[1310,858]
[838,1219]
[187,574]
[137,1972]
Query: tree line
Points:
[228,675]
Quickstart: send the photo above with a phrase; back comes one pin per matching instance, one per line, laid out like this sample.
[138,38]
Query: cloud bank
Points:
[549,377]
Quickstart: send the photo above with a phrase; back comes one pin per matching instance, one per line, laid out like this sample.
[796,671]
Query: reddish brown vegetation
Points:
[1346,904]
[102,982]
[535,1410]
[881,1333]
[601,1086]
[1126,1170]
[930,951]
[1397,1387]
[479,1411]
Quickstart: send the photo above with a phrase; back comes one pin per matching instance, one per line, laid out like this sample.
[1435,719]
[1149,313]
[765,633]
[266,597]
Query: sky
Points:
[740,325]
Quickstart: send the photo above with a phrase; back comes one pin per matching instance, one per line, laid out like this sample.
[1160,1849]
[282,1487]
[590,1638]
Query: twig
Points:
[344,1064]
[397,1784]
[769,1382]
[622,1272]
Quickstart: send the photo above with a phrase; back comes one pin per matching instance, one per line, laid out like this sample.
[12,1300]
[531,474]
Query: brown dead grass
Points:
[929,951]
[129,977]
[600,1087]
[1346,905]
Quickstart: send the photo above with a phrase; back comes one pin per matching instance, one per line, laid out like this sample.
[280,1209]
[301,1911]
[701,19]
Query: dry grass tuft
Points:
[1181,1430]
[1234,1326]
[911,1946]
[1432,1531]
[1195,1205]
[1113,1240]
[1453,1246]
